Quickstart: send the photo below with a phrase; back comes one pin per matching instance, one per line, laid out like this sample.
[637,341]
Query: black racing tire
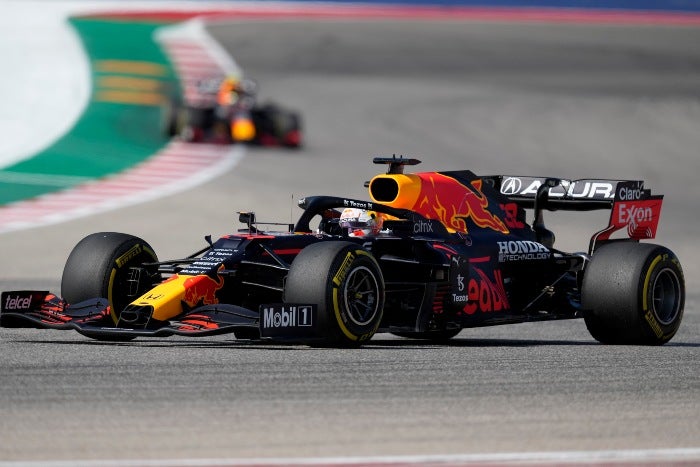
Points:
[434,336]
[180,123]
[194,123]
[633,293]
[200,117]
[98,267]
[295,125]
[170,111]
[346,283]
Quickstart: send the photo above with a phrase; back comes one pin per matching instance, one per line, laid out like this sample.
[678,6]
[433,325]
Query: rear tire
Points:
[346,284]
[99,266]
[633,293]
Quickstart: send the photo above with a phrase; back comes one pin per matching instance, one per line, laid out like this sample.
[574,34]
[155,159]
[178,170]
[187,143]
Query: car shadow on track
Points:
[376,344]
[479,342]
[498,342]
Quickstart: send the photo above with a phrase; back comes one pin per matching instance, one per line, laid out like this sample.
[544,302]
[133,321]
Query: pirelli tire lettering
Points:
[661,303]
[130,254]
[633,293]
[346,283]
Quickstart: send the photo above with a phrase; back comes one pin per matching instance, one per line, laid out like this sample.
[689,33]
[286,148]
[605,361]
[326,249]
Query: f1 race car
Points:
[453,251]
[226,111]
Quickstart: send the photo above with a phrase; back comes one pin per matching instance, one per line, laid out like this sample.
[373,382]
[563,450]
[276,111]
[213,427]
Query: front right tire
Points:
[345,282]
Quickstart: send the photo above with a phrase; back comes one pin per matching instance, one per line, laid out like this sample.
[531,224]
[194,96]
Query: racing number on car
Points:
[511,218]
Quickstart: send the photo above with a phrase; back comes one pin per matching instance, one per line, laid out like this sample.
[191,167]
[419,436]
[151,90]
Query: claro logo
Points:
[630,193]
[18,302]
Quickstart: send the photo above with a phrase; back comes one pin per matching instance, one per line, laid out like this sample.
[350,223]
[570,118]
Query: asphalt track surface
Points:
[567,100]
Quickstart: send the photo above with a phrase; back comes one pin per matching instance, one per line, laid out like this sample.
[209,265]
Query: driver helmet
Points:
[234,90]
[227,94]
[359,222]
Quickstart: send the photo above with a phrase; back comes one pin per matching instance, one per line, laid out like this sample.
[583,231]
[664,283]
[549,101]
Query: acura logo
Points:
[511,186]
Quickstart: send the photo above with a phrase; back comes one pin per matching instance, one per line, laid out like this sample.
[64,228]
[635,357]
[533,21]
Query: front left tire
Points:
[99,266]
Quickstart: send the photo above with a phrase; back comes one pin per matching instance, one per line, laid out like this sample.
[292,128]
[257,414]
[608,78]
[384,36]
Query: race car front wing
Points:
[92,318]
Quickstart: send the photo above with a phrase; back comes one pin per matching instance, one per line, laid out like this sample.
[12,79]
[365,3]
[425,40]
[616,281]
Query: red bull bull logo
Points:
[169,297]
[452,203]
[201,290]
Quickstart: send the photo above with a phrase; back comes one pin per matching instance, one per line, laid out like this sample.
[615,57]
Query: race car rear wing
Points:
[632,206]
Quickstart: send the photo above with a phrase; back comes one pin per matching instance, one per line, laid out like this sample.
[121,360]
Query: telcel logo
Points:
[18,302]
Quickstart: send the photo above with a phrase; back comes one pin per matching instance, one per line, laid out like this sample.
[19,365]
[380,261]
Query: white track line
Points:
[177,167]
[666,457]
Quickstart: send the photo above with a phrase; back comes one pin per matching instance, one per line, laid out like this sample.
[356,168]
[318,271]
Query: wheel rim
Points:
[361,296]
[666,296]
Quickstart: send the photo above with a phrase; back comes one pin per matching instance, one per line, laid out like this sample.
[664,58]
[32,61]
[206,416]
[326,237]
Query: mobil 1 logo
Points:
[287,320]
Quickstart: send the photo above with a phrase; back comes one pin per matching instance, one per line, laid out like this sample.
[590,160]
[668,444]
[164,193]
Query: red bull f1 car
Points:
[454,251]
[226,111]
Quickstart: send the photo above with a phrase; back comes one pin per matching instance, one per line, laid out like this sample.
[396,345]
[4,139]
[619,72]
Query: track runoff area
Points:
[186,48]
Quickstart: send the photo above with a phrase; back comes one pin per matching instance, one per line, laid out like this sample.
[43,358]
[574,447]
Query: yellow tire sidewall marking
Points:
[337,282]
[649,315]
[647,280]
[110,287]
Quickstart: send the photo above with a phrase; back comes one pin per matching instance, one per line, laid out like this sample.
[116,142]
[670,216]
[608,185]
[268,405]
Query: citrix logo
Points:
[422,227]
